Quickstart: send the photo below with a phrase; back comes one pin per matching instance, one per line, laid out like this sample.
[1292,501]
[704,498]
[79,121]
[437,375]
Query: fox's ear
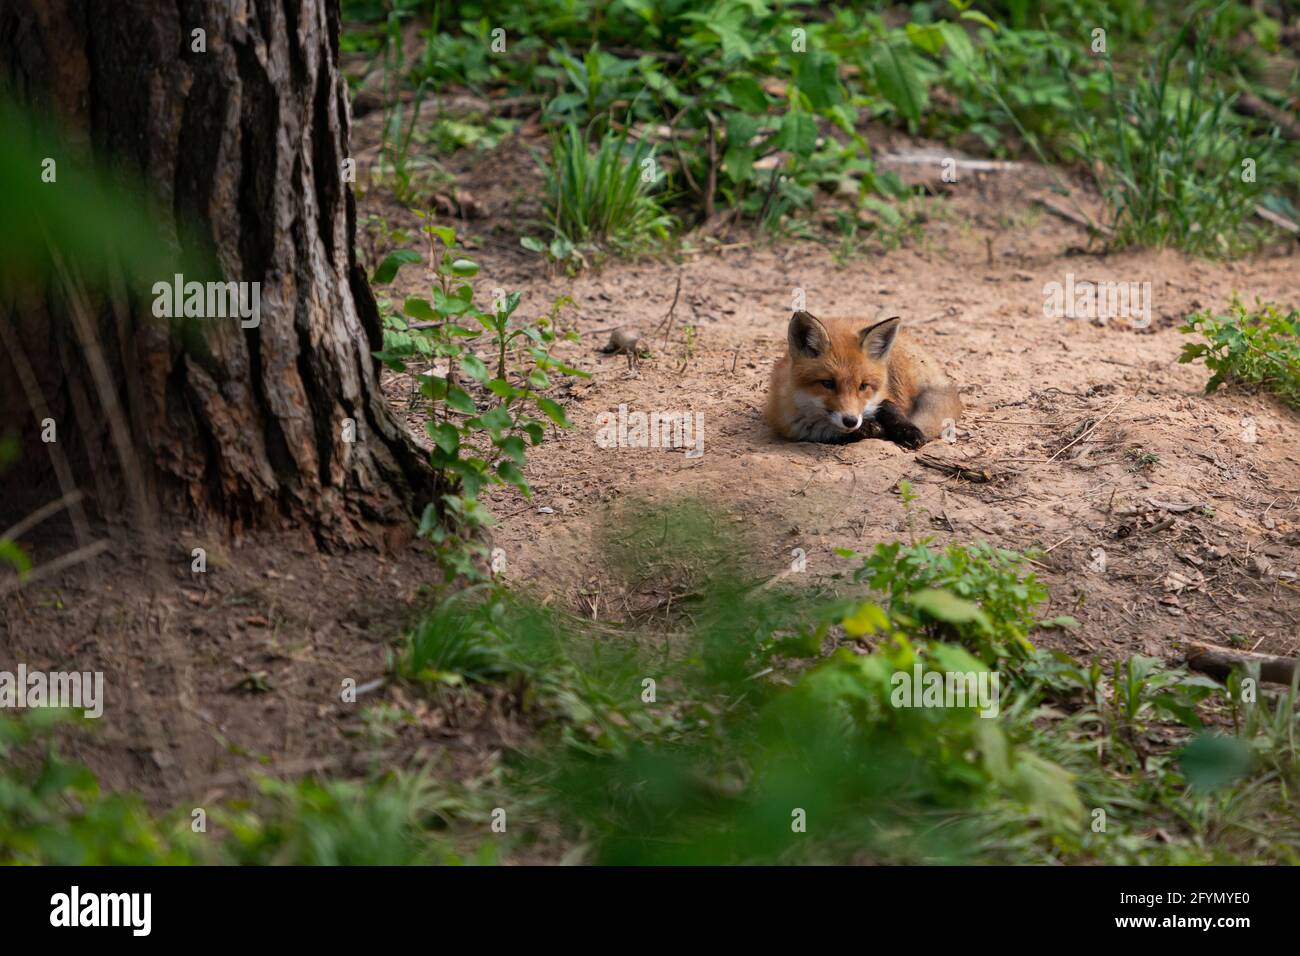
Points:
[876,340]
[807,336]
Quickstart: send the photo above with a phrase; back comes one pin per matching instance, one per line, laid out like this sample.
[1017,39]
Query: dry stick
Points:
[1058,544]
[104,386]
[1219,662]
[40,514]
[671,309]
[1281,222]
[1079,218]
[1160,526]
[1094,427]
[1000,421]
[55,566]
[713,168]
[1250,105]
[36,400]
[955,470]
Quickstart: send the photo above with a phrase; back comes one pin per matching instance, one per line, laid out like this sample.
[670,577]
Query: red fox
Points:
[843,380]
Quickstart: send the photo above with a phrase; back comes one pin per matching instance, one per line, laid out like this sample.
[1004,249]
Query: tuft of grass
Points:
[1257,348]
[603,198]
[389,821]
[1168,156]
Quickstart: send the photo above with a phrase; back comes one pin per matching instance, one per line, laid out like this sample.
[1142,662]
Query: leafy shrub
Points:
[1259,348]
[474,444]
[52,811]
[974,594]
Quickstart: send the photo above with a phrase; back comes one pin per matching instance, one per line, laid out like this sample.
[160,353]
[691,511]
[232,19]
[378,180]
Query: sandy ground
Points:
[1203,543]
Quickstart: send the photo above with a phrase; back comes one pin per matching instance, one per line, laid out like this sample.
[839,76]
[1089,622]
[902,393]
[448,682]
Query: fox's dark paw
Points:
[907,435]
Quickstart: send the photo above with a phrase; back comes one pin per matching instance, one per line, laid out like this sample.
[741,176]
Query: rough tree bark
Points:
[247,141]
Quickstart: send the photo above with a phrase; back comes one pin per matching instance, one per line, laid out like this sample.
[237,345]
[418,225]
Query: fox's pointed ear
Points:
[876,340]
[807,336]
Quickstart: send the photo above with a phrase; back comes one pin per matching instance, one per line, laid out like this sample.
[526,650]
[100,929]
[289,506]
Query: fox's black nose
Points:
[850,421]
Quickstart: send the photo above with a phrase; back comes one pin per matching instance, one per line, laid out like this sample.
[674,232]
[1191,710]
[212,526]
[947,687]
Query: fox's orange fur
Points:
[846,379]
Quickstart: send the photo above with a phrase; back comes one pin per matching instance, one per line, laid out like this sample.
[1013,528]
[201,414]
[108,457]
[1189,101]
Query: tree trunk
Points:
[242,133]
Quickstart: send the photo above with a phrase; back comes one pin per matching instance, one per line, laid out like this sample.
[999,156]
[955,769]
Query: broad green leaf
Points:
[867,619]
[552,410]
[460,400]
[1212,761]
[445,436]
[513,446]
[817,77]
[392,262]
[445,234]
[419,309]
[928,38]
[898,80]
[947,607]
[511,473]
[747,94]
[798,134]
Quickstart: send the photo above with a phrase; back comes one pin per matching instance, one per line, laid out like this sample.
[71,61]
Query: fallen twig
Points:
[55,566]
[1086,432]
[1219,662]
[1076,217]
[979,473]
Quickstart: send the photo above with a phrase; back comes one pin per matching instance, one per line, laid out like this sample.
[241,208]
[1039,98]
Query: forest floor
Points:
[1159,520]
[1201,541]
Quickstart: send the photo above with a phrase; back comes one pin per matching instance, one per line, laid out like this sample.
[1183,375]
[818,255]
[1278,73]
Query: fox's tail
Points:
[933,408]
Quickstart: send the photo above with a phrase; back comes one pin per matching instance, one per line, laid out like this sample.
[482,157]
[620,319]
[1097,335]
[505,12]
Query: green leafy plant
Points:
[484,389]
[1256,348]
[975,594]
[52,811]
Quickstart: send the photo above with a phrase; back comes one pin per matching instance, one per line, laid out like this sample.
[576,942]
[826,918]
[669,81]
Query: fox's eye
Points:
[863,387]
[827,383]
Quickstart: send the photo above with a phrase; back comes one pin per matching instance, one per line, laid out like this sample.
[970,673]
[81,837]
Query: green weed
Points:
[1257,348]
